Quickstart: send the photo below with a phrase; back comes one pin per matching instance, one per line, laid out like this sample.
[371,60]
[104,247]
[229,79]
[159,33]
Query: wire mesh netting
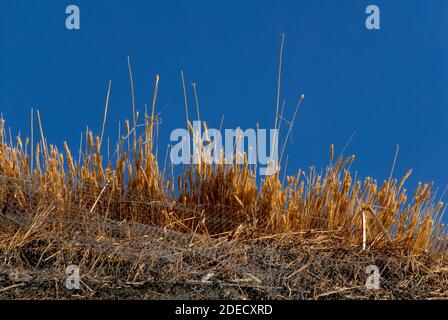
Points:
[125,258]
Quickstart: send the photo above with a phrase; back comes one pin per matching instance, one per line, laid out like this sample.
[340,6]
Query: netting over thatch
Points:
[132,260]
[214,231]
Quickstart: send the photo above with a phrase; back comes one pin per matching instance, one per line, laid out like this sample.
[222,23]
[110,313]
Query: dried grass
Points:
[223,204]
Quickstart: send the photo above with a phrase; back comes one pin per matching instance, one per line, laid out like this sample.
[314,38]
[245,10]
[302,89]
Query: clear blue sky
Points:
[388,85]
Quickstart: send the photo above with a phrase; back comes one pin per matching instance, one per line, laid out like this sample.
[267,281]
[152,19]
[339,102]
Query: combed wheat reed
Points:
[217,199]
